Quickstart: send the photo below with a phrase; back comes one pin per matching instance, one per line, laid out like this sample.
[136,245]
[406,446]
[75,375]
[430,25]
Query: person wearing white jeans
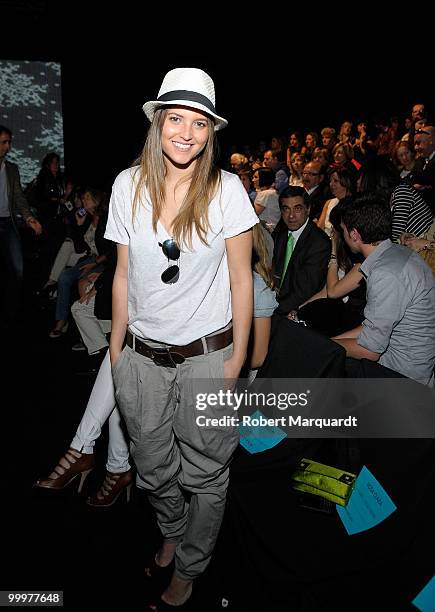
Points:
[102,406]
[79,459]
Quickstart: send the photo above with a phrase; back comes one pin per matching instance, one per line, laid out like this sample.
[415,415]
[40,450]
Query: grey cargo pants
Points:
[172,453]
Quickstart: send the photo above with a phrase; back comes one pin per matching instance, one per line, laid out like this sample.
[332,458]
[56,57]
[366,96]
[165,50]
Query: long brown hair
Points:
[204,182]
[261,255]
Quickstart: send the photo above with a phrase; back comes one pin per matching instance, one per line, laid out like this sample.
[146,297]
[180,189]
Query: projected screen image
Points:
[31,106]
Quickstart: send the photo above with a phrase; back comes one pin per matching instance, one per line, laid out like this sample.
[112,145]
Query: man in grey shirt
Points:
[399,326]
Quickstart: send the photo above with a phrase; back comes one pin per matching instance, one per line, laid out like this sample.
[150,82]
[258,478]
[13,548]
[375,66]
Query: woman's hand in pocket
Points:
[114,356]
[232,369]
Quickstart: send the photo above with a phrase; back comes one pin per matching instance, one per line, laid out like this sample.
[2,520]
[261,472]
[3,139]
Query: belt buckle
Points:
[164,357]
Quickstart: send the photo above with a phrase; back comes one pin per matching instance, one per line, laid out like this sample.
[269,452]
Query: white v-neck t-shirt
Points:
[199,303]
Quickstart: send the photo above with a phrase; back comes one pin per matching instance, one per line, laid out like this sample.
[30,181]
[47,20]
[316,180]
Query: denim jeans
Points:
[66,281]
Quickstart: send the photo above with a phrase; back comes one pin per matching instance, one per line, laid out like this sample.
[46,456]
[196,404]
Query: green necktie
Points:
[288,254]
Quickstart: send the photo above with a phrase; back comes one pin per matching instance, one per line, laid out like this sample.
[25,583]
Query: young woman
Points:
[182,297]
[324,311]
[311,140]
[342,183]
[296,165]
[264,298]
[344,135]
[363,147]
[264,292]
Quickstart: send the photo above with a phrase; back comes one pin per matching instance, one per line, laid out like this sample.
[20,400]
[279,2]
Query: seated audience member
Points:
[386,137]
[245,175]
[294,144]
[91,227]
[267,158]
[266,203]
[301,253]
[342,183]
[93,312]
[328,138]
[418,120]
[279,167]
[399,326]
[322,156]
[238,161]
[404,157]
[277,143]
[296,164]
[345,133]
[72,248]
[264,297]
[410,213]
[340,304]
[264,294]
[420,124]
[79,459]
[313,176]
[343,156]
[256,160]
[423,174]
[54,251]
[363,147]
[311,140]
[424,246]
[407,123]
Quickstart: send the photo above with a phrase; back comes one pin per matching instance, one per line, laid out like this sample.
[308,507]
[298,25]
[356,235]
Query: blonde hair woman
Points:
[344,135]
[264,298]
[264,293]
[182,296]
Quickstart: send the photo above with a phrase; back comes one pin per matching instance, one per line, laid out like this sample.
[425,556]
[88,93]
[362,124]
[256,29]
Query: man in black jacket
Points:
[301,253]
[12,203]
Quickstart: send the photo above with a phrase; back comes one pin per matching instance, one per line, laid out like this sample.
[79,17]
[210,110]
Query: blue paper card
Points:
[256,439]
[368,505]
[425,600]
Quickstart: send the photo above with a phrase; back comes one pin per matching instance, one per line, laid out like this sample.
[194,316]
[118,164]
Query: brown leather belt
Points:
[171,355]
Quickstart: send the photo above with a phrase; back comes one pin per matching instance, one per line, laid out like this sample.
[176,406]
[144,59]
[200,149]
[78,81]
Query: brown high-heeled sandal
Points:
[71,465]
[112,487]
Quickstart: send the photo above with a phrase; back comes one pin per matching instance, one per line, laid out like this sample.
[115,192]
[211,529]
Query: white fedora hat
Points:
[186,87]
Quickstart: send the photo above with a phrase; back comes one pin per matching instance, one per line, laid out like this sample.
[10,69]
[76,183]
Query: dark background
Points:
[275,68]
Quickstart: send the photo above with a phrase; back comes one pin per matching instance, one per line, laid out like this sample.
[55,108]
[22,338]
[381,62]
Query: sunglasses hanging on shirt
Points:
[172,252]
